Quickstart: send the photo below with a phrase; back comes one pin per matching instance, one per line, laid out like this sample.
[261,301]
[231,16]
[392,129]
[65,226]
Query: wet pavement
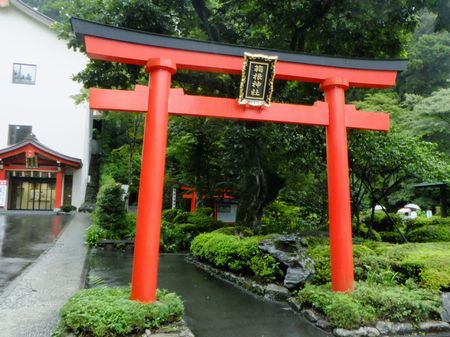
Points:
[29,304]
[213,308]
[24,236]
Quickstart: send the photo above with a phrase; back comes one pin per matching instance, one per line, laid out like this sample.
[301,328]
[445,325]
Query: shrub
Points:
[68,208]
[382,223]
[367,264]
[95,233]
[431,233]
[421,221]
[233,253]
[370,302]
[428,264]
[109,209]
[280,217]
[109,312]
[175,215]
[235,230]
[392,237]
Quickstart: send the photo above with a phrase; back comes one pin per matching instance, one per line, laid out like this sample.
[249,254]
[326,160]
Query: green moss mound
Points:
[237,254]
[371,302]
[109,312]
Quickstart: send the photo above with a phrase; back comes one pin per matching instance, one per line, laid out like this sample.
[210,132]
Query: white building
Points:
[35,97]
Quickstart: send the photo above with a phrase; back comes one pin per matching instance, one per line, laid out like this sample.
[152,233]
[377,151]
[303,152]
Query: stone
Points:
[276,293]
[385,328]
[295,304]
[339,332]
[324,325]
[296,276]
[445,314]
[311,315]
[364,331]
[434,326]
[291,252]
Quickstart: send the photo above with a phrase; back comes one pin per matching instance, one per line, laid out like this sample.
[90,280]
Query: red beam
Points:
[124,52]
[202,106]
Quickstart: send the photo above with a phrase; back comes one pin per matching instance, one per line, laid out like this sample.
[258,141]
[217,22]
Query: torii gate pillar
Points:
[146,247]
[341,255]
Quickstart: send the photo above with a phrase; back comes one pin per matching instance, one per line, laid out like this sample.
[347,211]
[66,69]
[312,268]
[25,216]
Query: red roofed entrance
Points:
[34,175]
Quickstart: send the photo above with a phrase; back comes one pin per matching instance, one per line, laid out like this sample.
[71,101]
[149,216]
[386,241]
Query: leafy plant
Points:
[110,211]
[109,312]
[370,302]
[231,252]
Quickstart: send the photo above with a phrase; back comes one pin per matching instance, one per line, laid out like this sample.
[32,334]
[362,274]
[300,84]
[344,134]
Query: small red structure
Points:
[162,56]
[34,174]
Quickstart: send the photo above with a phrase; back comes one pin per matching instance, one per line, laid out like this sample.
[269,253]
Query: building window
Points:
[24,73]
[17,133]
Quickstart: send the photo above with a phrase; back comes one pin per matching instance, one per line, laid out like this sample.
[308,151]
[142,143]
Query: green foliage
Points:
[110,211]
[109,312]
[237,254]
[235,230]
[179,228]
[430,234]
[95,233]
[280,217]
[429,65]
[426,263]
[68,208]
[371,302]
[422,221]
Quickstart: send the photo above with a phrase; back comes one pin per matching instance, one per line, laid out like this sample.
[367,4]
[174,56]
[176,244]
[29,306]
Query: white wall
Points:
[57,122]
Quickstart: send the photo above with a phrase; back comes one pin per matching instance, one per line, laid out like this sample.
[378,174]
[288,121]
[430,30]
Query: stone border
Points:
[278,293]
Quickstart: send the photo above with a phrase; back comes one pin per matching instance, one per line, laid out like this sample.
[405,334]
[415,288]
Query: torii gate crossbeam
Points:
[162,55]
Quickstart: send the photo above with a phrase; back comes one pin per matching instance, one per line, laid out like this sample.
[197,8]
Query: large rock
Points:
[291,252]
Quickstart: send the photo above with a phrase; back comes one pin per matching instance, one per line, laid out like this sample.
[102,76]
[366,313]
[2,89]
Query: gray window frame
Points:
[16,80]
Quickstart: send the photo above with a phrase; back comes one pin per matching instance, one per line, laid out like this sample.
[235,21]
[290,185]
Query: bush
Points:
[175,215]
[430,233]
[280,217]
[95,233]
[237,254]
[392,237]
[110,211]
[428,264]
[68,208]
[371,302]
[235,230]
[421,221]
[367,264]
[382,223]
[109,312]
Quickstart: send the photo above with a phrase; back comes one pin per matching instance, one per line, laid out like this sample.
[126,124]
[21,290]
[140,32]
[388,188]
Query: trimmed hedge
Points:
[237,254]
[430,233]
[371,302]
[109,312]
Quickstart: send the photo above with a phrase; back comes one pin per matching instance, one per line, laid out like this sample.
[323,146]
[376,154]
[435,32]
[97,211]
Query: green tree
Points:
[429,65]
[431,119]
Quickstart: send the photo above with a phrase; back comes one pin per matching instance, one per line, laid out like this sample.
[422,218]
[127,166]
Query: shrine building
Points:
[45,136]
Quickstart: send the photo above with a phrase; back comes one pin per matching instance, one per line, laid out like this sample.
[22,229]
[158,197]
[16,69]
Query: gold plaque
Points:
[258,74]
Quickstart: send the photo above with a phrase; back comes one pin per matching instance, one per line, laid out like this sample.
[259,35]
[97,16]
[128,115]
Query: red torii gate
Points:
[162,55]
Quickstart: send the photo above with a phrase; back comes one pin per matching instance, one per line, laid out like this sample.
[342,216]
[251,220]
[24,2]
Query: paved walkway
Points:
[29,306]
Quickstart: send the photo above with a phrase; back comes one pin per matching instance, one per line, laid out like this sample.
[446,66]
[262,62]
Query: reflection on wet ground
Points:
[214,308]
[23,237]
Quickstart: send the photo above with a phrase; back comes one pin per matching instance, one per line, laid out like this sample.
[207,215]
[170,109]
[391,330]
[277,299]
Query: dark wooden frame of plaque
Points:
[246,80]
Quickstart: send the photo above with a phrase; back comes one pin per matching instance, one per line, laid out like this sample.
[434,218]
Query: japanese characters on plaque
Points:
[258,74]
